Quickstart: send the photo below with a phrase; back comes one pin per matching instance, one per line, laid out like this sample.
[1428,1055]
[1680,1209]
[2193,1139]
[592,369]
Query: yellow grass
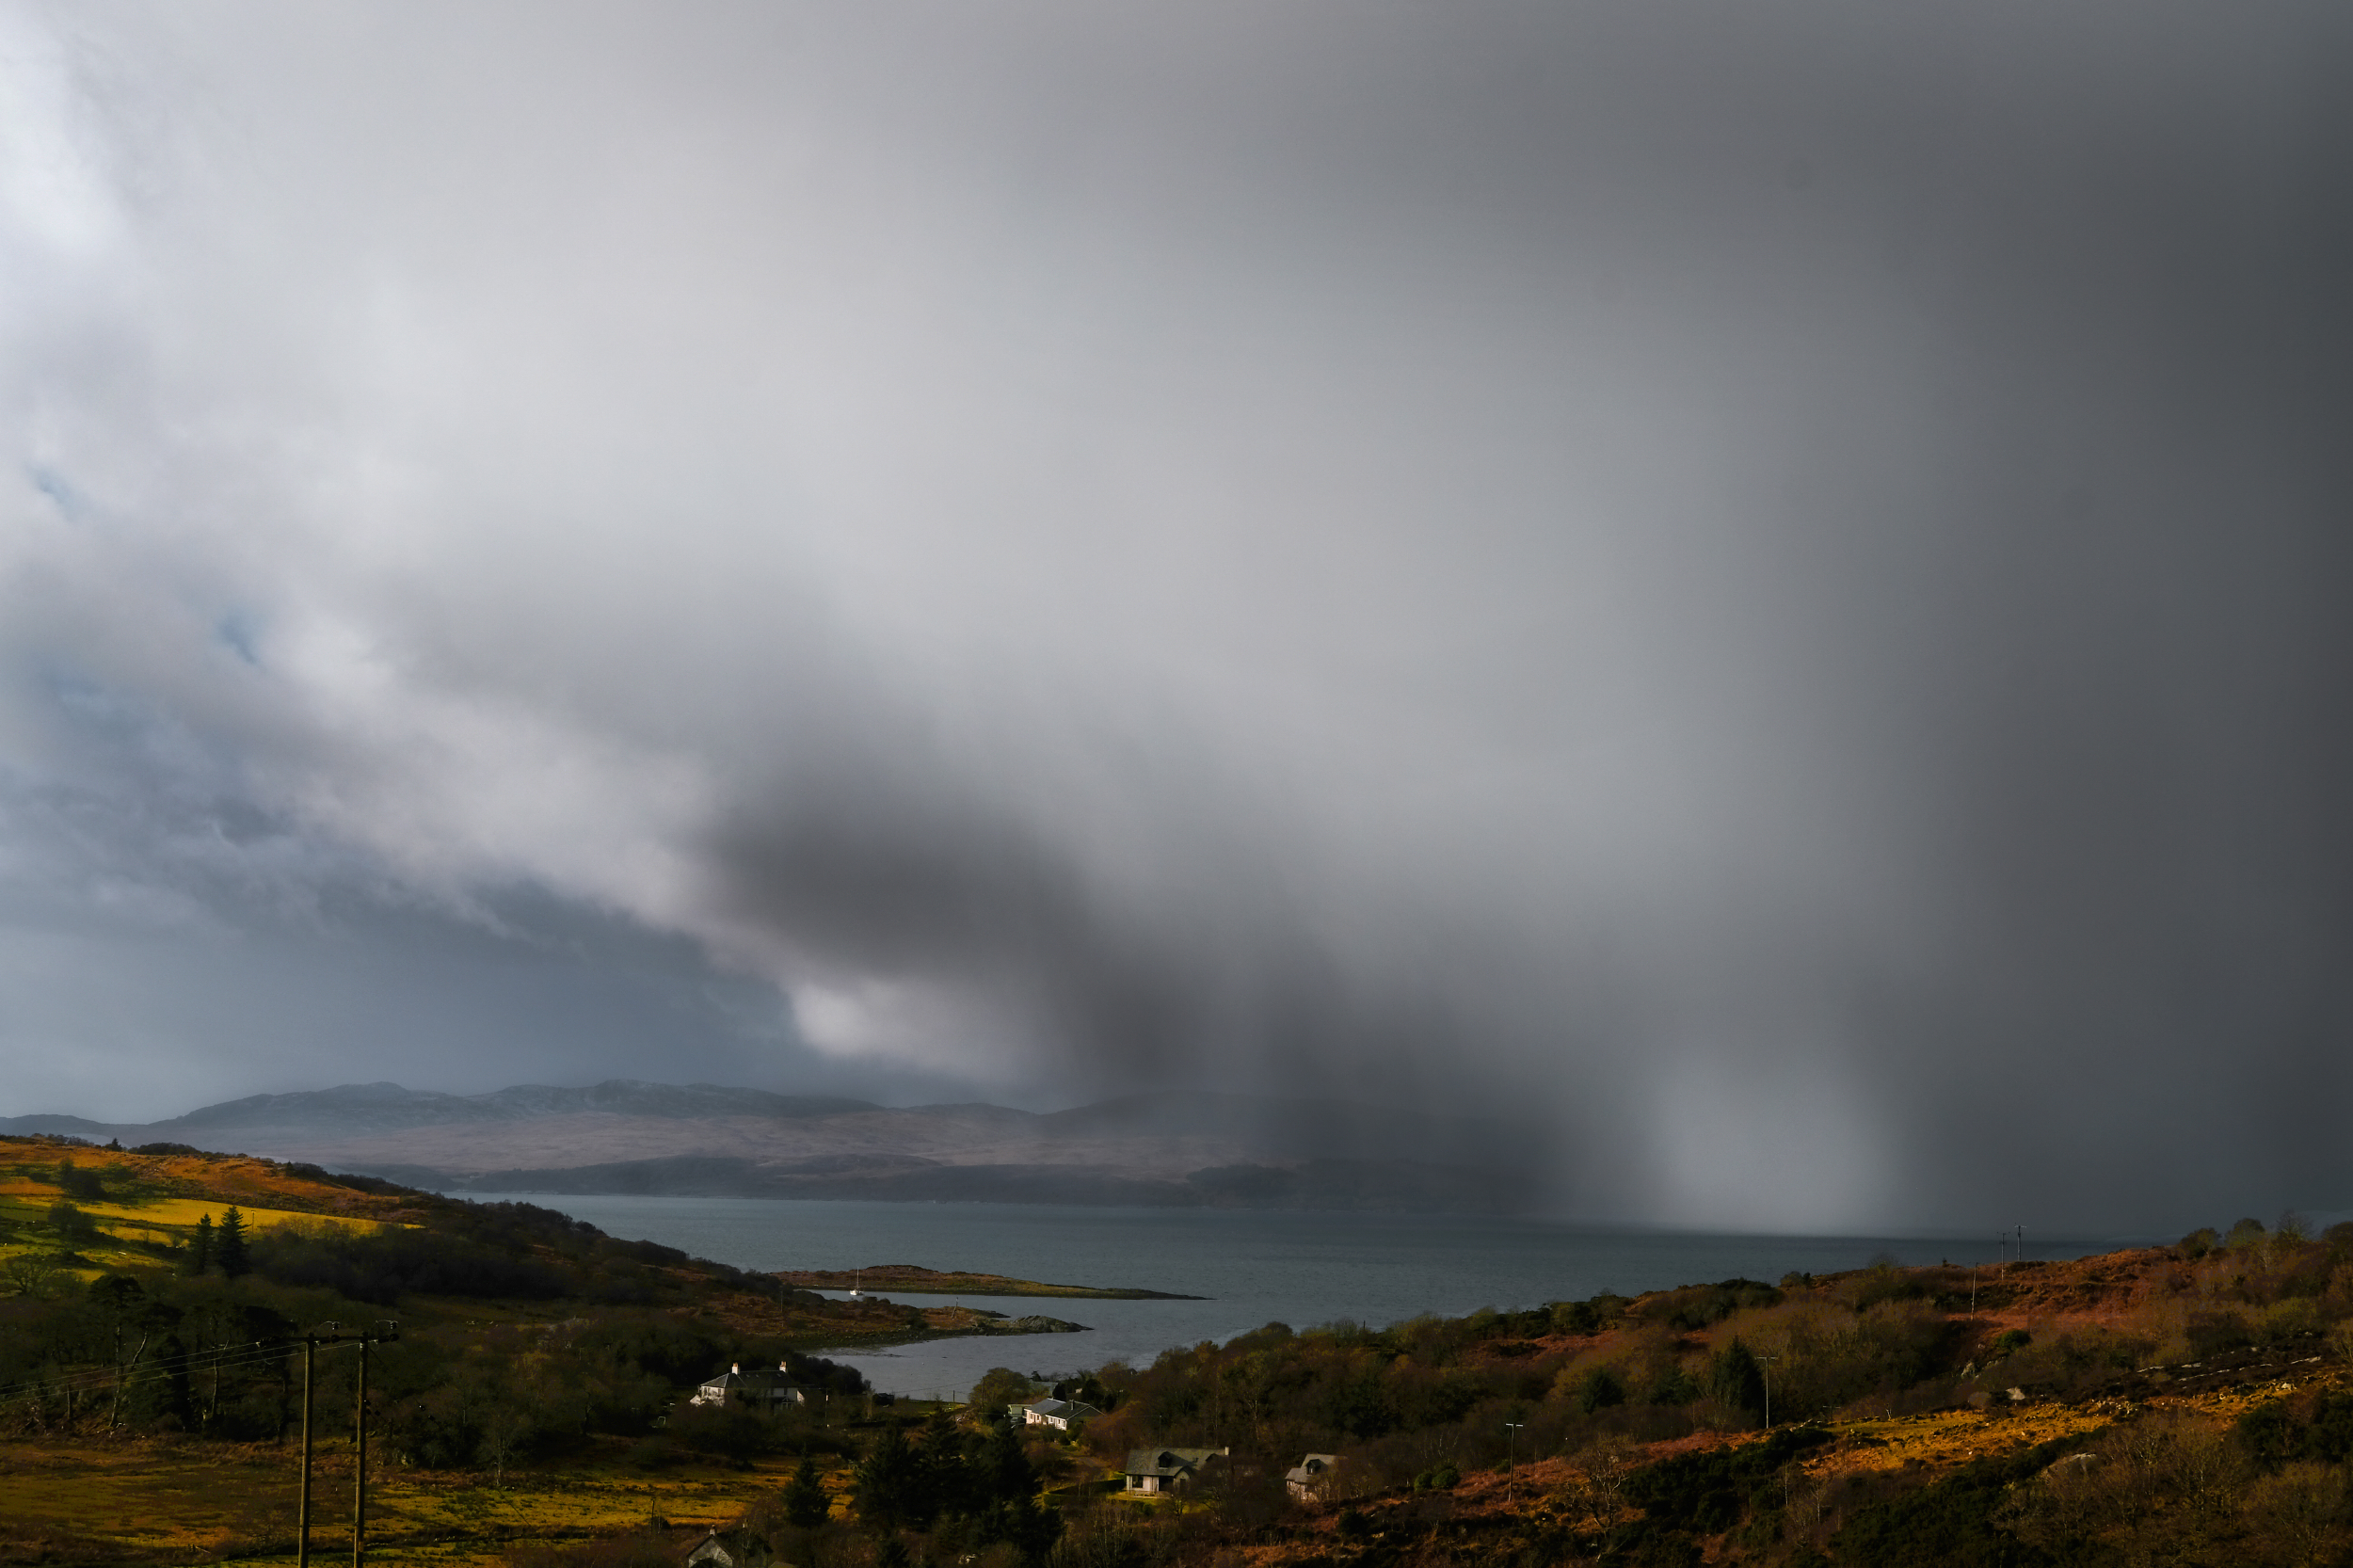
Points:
[179,1214]
[165,1501]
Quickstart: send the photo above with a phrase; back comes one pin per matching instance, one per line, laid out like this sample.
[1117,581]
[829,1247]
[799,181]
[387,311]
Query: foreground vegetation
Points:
[2187,1404]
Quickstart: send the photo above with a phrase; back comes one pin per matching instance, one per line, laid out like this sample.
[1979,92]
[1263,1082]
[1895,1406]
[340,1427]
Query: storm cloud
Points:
[1761,583]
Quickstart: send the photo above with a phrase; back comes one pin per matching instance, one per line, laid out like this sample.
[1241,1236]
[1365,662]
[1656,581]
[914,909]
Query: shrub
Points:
[1600,1390]
[1884,1282]
[2210,1332]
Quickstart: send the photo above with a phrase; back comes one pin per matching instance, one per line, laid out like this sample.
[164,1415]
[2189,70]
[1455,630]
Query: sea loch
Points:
[1255,1266]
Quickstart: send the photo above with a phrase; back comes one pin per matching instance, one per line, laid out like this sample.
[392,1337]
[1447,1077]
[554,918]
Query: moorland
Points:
[2180,1404]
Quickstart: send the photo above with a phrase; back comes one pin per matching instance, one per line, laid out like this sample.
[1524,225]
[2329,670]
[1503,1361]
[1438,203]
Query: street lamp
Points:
[1511,1455]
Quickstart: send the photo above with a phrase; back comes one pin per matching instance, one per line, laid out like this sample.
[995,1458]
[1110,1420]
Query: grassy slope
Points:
[95,1498]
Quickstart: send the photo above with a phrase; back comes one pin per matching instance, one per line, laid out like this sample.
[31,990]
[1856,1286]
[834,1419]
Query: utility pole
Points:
[302,1513]
[1511,1456]
[1764,1364]
[332,1334]
[384,1333]
[360,1464]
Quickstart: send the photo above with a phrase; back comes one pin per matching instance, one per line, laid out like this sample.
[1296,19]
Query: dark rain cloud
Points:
[1761,584]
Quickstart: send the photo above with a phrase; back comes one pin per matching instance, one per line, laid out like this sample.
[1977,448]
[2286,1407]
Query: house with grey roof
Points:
[1155,1472]
[1307,1480]
[1062,1414]
[760,1388]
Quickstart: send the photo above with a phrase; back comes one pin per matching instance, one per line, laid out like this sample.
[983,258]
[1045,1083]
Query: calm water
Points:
[1256,1267]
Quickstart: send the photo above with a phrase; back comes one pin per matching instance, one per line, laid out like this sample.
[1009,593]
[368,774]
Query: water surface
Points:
[1255,1265]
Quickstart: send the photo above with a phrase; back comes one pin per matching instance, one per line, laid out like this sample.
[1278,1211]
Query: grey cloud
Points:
[1761,583]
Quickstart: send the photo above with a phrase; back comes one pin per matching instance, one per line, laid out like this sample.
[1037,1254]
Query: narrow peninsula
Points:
[908,1279]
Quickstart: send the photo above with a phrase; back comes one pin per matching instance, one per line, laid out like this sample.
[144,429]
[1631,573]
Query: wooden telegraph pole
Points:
[302,1513]
[360,1464]
[384,1333]
[332,1334]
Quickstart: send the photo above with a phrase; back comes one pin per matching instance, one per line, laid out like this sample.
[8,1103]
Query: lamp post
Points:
[1511,1456]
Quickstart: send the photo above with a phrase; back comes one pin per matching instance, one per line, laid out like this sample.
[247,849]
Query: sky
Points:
[1761,584]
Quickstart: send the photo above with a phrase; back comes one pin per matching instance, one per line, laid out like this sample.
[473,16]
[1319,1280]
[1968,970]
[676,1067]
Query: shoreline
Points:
[908,1279]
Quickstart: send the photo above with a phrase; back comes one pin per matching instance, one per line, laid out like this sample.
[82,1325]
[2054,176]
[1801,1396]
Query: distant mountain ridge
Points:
[385,1106]
[625,1135]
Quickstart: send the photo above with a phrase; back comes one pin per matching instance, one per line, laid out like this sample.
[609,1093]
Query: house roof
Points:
[1312,1466]
[759,1377]
[1169,1461]
[1069,1410]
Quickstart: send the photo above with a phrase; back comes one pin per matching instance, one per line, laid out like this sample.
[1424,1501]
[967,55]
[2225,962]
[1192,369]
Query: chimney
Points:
[736,1367]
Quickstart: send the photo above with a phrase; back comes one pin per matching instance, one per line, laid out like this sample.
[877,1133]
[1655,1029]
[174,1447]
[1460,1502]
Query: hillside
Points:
[1179,1149]
[2187,1404]
[150,1369]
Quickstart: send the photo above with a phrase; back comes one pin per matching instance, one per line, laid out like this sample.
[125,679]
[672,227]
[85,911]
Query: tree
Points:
[124,1308]
[200,1249]
[72,1226]
[34,1276]
[806,1505]
[1738,1380]
[507,1428]
[1032,1530]
[230,1244]
[888,1482]
[1000,1386]
[1006,1473]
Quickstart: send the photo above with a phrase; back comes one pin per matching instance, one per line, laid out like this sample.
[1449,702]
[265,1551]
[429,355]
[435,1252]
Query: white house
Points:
[758,1387]
[1062,1414]
[729,1550]
[1307,1479]
[1154,1471]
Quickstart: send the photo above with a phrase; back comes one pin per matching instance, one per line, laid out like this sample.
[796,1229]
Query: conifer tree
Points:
[1740,1382]
[887,1481]
[200,1249]
[230,1243]
[805,1503]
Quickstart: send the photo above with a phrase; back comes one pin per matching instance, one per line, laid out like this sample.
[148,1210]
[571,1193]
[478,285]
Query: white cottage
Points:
[758,1387]
[1307,1479]
[1152,1472]
[1062,1414]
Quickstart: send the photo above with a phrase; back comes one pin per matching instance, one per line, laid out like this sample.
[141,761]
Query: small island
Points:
[908,1279]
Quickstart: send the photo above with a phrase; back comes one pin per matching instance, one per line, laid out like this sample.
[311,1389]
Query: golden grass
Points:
[182,1501]
[181,1214]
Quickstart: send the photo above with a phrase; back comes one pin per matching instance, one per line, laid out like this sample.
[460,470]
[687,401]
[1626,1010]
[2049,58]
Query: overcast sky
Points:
[1764,583]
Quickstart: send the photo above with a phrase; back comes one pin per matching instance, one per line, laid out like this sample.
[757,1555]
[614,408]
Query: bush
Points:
[1600,1390]
[2211,1333]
